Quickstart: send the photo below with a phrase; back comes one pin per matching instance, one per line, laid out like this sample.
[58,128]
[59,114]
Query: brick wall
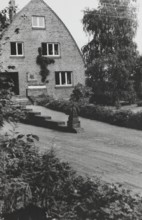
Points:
[55,31]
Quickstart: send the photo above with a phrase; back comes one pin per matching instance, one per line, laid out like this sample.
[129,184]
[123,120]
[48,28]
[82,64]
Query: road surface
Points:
[110,152]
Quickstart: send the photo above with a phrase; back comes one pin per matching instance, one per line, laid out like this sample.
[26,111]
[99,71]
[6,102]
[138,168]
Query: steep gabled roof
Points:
[50,9]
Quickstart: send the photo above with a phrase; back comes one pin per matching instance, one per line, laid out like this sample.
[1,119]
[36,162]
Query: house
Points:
[37,26]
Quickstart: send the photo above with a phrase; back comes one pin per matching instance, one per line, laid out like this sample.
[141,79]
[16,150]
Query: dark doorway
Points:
[12,77]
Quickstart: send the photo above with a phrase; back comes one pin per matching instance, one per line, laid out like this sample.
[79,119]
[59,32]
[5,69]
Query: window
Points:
[16,48]
[63,78]
[50,49]
[38,22]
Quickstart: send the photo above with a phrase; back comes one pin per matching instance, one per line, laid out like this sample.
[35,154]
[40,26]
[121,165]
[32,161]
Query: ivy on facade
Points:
[43,62]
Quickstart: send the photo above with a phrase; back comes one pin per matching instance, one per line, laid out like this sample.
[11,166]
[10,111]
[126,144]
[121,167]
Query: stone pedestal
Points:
[73,122]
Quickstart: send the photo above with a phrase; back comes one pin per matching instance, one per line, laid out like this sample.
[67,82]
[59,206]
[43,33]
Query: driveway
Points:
[110,152]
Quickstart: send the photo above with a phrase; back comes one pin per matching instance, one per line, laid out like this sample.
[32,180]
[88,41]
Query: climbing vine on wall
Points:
[43,62]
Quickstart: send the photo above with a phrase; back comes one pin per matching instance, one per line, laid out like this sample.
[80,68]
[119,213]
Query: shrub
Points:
[124,118]
[121,118]
[135,121]
[8,111]
[28,177]
[96,112]
[102,99]
[59,105]
[139,103]
[81,93]
[41,99]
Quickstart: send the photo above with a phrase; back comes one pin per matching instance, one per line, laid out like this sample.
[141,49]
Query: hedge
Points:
[123,118]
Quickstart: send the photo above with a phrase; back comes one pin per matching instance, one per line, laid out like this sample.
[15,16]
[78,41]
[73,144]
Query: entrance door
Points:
[12,77]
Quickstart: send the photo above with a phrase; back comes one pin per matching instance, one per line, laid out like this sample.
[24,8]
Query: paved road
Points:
[110,152]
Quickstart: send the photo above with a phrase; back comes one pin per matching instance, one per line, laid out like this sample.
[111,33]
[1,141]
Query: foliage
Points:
[43,99]
[119,117]
[81,93]
[138,77]
[4,19]
[60,105]
[5,16]
[17,155]
[8,111]
[139,103]
[28,177]
[43,62]
[111,53]
[49,102]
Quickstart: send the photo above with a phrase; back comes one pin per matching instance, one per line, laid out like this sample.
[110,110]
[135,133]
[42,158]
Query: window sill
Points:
[52,56]
[36,87]
[38,28]
[63,86]
[17,56]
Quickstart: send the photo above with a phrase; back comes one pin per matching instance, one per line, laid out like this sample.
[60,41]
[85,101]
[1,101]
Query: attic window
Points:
[38,22]
[16,48]
[50,49]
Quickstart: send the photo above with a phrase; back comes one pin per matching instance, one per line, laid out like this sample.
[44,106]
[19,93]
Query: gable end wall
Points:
[55,31]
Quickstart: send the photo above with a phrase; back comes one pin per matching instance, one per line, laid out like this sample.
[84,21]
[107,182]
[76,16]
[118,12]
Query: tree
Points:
[3,24]
[4,19]
[110,55]
[138,77]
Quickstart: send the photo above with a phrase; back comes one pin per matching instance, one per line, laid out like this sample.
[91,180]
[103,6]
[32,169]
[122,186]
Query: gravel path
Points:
[110,152]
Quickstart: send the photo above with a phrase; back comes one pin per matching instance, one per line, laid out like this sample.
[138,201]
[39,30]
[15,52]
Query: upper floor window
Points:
[38,22]
[63,78]
[50,49]
[16,49]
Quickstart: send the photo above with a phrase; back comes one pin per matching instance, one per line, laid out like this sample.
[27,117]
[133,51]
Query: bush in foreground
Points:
[29,177]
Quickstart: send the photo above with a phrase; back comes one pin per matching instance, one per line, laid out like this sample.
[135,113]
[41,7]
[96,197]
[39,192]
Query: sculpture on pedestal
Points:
[73,120]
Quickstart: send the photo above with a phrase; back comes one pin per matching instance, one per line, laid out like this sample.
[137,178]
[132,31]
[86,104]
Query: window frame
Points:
[53,49]
[38,26]
[17,55]
[66,80]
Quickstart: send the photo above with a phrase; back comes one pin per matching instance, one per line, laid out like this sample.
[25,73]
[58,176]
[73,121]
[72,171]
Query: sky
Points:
[71,13]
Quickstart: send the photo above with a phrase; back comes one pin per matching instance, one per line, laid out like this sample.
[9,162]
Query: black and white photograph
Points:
[70,110]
